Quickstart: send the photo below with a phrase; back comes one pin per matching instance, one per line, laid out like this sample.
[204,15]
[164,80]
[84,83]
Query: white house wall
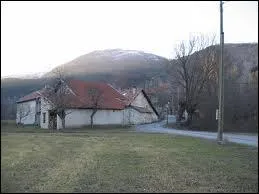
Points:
[109,117]
[82,117]
[133,117]
[30,118]
[141,101]
[76,118]
[59,123]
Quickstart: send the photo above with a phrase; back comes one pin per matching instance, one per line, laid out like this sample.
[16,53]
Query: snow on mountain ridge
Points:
[117,53]
[26,76]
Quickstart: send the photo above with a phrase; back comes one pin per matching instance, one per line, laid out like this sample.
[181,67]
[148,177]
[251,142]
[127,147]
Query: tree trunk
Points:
[189,119]
[180,111]
[63,123]
[92,121]
[62,116]
[92,116]
[190,112]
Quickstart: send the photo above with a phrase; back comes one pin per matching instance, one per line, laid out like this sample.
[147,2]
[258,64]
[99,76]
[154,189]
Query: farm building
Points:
[109,107]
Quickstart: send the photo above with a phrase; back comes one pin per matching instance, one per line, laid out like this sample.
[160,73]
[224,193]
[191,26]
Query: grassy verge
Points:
[176,126]
[119,160]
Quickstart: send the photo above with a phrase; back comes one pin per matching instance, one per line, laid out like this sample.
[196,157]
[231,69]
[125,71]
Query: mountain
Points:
[122,68]
[119,67]
[25,76]
[112,61]
[244,56]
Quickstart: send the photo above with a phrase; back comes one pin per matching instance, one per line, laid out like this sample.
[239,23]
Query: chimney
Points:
[134,90]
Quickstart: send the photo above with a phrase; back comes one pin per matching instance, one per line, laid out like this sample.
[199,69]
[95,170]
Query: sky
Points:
[37,36]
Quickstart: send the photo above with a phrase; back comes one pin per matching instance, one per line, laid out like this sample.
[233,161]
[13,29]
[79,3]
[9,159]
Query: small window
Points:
[44,117]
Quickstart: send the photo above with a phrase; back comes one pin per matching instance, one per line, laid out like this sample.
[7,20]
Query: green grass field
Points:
[121,160]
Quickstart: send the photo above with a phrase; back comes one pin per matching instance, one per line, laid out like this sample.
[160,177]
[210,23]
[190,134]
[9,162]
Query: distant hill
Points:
[243,55]
[112,61]
[116,66]
[122,68]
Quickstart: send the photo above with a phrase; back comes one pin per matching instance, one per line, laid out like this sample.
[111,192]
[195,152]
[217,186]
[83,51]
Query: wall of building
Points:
[27,110]
[141,101]
[44,109]
[82,117]
[140,118]
[109,117]
[59,122]
[134,117]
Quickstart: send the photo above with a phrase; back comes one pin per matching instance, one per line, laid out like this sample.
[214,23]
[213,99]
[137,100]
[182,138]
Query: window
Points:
[44,117]
[39,105]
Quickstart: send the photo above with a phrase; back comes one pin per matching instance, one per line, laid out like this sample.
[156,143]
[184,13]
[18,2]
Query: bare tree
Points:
[192,69]
[96,101]
[23,111]
[58,95]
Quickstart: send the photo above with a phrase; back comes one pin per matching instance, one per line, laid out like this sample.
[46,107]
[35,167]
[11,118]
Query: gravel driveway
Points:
[251,140]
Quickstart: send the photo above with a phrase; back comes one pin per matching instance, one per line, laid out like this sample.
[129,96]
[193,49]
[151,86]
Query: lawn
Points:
[121,160]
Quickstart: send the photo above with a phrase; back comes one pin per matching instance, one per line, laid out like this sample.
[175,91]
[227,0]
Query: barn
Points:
[112,108]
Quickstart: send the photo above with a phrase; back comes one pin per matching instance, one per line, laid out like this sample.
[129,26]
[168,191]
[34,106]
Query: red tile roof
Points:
[80,98]
[110,97]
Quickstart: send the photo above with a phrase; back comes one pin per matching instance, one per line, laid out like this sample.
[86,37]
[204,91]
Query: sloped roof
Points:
[79,97]
[31,96]
[110,98]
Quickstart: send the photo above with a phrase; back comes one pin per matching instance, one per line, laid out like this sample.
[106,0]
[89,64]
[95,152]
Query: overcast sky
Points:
[37,36]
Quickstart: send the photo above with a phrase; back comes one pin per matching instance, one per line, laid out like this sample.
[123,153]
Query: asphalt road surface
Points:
[251,140]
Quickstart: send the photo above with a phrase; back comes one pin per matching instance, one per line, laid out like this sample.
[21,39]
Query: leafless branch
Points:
[23,111]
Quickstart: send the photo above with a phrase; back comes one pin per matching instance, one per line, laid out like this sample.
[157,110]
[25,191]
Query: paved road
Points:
[236,138]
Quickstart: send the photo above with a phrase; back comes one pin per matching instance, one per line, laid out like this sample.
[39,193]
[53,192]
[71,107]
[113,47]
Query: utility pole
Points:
[221,79]
[178,98]
[167,109]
